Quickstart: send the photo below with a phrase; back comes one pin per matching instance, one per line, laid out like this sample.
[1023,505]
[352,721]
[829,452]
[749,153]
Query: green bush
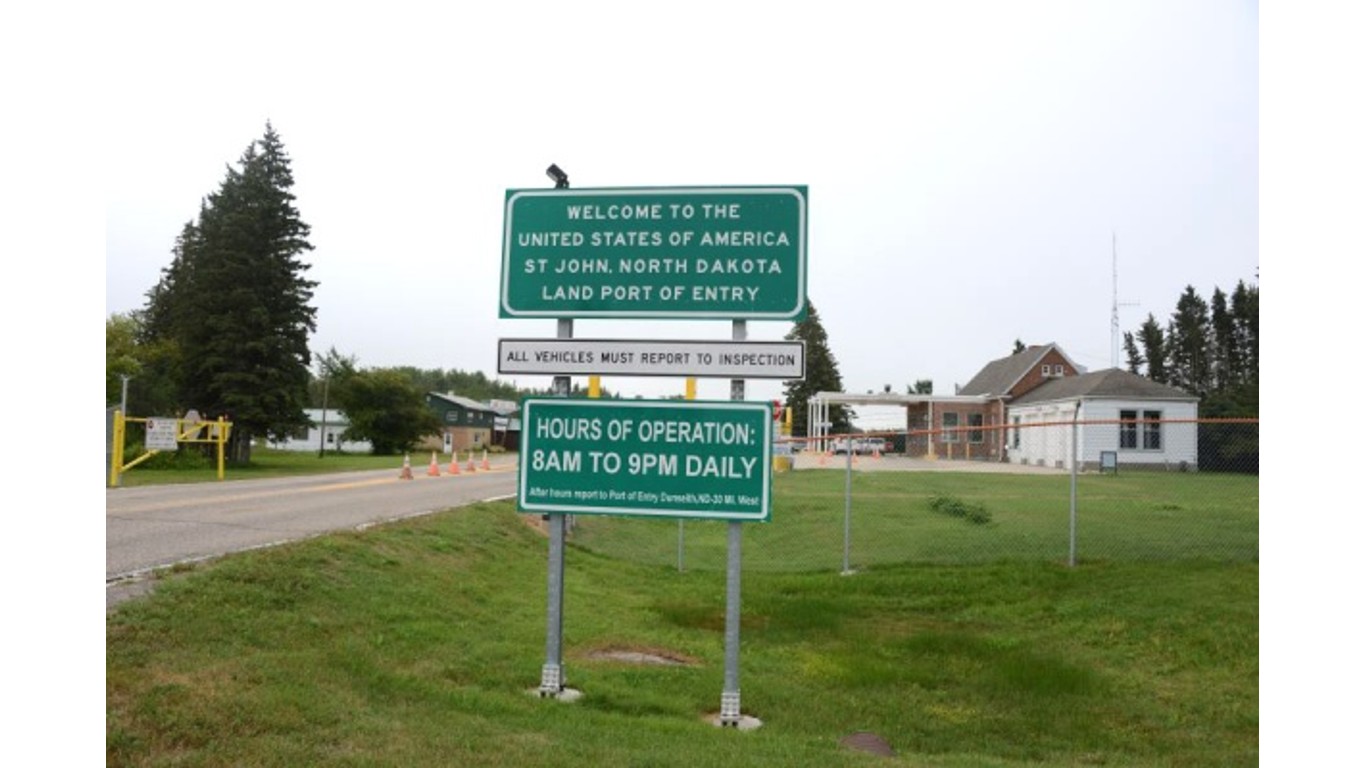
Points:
[956,507]
[188,457]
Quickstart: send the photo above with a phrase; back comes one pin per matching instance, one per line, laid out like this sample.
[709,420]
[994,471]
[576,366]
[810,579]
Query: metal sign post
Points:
[730,690]
[552,672]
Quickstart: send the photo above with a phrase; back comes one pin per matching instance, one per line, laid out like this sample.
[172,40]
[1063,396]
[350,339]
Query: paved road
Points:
[152,527]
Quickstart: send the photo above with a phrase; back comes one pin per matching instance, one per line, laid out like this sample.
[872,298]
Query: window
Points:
[1151,428]
[948,421]
[1015,433]
[975,420]
[1128,429]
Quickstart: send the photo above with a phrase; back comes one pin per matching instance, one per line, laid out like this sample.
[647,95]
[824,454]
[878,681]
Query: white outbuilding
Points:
[1135,420]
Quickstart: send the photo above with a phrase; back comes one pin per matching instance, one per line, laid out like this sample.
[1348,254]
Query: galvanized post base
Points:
[730,709]
[552,680]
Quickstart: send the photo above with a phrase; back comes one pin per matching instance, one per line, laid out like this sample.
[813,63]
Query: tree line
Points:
[1209,349]
[387,406]
[225,331]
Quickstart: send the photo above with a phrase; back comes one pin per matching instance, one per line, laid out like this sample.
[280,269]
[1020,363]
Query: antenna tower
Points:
[1115,303]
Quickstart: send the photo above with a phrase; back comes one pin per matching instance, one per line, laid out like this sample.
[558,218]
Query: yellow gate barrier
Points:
[186,431]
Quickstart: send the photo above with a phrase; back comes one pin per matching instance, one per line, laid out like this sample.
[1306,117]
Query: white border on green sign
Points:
[791,314]
[766,497]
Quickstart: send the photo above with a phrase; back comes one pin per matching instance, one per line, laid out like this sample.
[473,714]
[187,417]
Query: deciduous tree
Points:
[120,354]
[384,408]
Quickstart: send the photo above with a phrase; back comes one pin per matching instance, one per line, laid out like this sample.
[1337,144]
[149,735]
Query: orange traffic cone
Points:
[407,473]
[432,469]
[455,463]
[470,466]
[485,465]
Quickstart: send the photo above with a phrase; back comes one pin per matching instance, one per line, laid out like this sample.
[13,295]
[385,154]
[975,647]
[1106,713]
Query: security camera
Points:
[560,177]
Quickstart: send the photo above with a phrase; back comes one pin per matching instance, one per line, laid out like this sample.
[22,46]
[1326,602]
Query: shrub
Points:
[185,457]
[956,507]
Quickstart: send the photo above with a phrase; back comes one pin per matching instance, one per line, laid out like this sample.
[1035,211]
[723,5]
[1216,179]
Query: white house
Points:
[316,437]
[1144,423]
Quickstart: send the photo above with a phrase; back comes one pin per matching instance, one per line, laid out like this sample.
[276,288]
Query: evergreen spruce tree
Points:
[235,303]
[822,375]
[1225,360]
[1246,342]
[1135,357]
[1154,349]
[1209,350]
[1188,344]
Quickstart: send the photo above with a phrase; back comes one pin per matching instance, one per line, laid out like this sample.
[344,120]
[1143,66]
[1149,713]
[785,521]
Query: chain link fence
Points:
[1133,490]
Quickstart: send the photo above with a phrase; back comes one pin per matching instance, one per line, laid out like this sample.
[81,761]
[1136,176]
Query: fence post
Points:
[1072,503]
[848,500]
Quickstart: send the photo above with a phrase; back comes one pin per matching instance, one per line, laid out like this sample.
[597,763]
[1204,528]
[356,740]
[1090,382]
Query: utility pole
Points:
[322,427]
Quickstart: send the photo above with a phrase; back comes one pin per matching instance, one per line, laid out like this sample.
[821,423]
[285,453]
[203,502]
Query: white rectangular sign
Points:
[161,434]
[622,357]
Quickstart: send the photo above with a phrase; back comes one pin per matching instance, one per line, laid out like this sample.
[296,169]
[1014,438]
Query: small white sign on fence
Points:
[161,434]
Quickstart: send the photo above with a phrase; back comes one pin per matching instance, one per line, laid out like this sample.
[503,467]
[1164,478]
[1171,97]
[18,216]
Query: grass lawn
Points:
[893,520]
[418,643]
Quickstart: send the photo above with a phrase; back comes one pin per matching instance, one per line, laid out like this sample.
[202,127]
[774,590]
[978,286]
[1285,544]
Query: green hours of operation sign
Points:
[652,458]
[732,253]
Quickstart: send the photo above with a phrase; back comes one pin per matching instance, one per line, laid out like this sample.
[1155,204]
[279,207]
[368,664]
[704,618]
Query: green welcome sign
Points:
[651,458]
[732,253]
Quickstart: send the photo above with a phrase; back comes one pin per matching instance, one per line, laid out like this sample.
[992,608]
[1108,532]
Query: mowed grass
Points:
[1132,516]
[419,643]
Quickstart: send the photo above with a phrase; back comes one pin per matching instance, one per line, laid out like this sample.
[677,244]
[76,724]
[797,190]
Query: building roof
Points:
[463,402]
[1112,383]
[998,377]
[335,418]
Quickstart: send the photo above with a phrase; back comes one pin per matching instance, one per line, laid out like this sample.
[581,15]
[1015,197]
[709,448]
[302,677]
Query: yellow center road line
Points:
[208,500]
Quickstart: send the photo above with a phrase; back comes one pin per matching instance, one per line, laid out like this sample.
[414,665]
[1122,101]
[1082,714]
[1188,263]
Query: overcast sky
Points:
[967,163]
